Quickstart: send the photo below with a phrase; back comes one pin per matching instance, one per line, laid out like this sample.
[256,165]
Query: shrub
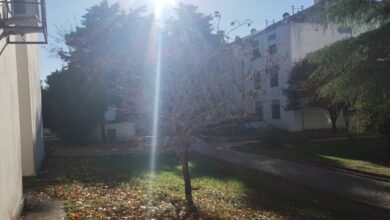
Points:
[272,137]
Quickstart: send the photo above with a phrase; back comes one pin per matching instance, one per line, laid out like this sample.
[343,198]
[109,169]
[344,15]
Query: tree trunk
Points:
[347,120]
[187,178]
[334,124]
[333,113]
[103,130]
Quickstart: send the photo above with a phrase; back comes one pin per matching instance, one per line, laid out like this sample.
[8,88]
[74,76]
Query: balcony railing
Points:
[21,17]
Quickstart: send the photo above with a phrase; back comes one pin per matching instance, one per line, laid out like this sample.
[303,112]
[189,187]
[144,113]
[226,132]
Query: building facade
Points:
[21,130]
[268,56]
[117,127]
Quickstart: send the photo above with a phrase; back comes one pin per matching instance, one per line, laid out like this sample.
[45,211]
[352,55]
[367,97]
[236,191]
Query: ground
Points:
[365,155]
[118,187]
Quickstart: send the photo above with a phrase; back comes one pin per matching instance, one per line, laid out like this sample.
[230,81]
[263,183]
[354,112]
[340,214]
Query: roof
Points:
[308,14]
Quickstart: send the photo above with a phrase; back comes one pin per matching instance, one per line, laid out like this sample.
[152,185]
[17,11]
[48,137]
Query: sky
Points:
[65,14]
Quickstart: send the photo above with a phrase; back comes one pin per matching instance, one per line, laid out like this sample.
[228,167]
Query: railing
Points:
[20,17]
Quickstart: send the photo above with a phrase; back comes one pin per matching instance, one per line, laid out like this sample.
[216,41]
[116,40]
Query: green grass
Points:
[368,155]
[117,186]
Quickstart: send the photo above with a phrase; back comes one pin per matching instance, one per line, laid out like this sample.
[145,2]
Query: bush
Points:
[272,137]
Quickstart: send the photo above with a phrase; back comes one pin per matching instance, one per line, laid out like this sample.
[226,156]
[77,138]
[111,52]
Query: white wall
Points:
[30,107]
[267,93]
[125,131]
[10,144]
[307,38]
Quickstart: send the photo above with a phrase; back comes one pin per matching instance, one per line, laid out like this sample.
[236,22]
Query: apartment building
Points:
[21,130]
[268,57]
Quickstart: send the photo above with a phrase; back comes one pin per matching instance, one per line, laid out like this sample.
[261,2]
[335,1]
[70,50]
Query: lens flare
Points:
[156,44]
[160,6]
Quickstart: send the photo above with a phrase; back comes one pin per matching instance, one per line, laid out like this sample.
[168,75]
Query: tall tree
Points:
[303,91]
[357,72]
[108,45]
[196,69]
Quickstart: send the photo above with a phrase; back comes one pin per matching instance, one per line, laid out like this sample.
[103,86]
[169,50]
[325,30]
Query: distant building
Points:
[117,127]
[21,130]
[267,57]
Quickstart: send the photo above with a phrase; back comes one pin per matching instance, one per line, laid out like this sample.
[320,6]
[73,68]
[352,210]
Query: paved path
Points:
[372,192]
[41,207]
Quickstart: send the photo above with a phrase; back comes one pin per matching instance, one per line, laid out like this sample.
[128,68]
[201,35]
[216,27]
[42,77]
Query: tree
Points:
[303,91]
[74,103]
[188,44]
[197,69]
[120,53]
[108,45]
[198,77]
[357,72]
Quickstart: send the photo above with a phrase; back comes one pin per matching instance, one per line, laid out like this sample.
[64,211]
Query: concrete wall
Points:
[125,131]
[10,143]
[306,38]
[30,107]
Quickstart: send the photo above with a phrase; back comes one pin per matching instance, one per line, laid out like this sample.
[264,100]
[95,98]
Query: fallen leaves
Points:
[117,188]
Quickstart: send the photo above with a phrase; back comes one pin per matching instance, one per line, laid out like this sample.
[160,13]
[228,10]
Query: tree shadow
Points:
[368,153]
[113,171]
[260,192]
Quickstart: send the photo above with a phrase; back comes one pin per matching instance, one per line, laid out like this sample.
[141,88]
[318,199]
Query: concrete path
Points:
[39,206]
[363,190]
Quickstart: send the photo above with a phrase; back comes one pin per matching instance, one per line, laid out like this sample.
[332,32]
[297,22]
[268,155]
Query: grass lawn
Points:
[117,187]
[368,155]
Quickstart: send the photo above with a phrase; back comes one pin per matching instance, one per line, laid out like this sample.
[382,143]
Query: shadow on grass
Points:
[260,194]
[370,155]
[210,180]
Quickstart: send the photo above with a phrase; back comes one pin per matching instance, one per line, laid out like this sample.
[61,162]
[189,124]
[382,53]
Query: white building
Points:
[268,57]
[21,130]
[117,129]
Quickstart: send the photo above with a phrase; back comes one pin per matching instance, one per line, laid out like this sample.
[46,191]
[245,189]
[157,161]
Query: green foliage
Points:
[356,71]
[76,105]
[304,91]
[273,137]
[301,91]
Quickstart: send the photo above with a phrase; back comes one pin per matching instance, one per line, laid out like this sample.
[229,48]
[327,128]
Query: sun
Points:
[161,5]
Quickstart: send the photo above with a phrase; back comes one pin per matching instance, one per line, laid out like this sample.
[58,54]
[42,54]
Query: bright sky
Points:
[69,12]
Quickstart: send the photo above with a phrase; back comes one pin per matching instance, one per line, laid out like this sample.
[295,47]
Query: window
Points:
[345,30]
[272,37]
[272,49]
[254,43]
[274,78]
[19,7]
[257,81]
[275,108]
[256,54]
[259,110]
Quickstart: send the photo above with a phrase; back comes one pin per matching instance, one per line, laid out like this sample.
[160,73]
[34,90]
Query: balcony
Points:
[21,17]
